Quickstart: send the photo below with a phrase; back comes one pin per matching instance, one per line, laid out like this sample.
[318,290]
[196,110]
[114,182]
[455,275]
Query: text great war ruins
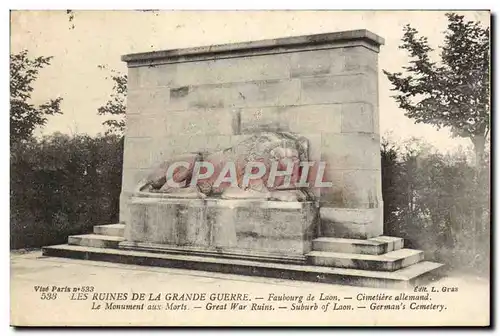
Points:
[197,115]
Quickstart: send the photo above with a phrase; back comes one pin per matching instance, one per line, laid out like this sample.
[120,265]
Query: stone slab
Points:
[313,119]
[393,243]
[231,70]
[95,240]
[135,156]
[314,41]
[374,246]
[252,120]
[351,151]
[196,121]
[362,188]
[356,223]
[316,62]
[220,252]
[335,89]
[148,101]
[284,228]
[359,59]
[230,95]
[390,261]
[152,76]
[116,230]
[421,273]
[358,118]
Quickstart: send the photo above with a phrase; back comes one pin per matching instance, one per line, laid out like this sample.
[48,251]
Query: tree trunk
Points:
[479,141]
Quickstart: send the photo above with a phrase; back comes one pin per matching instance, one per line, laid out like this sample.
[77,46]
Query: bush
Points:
[438,203]
[63,185]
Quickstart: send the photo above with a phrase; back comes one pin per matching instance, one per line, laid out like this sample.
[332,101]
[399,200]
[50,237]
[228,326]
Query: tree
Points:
[24,116]
[116,105]
[454,92]
[432,201]
[62,185]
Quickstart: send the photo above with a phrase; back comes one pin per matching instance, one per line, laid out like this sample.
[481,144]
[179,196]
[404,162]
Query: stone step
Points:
[95,240]
[218,252]
[375,246]
[417,274]
[390,261]
[116,230]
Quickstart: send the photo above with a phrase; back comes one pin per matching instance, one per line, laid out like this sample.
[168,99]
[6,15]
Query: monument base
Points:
[351,223]
[377,262]
[256,229]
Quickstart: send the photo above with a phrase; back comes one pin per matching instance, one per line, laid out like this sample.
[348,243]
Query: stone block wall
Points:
[323,87]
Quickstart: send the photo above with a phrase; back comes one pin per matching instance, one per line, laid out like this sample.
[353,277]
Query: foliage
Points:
[430,199]
[116,105]
[454,92]
[63,185]
[24,116]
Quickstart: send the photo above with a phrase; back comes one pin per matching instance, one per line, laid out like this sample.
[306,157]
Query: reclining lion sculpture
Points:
[282,151]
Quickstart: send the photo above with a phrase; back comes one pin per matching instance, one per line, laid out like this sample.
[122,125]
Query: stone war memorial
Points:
[258,158]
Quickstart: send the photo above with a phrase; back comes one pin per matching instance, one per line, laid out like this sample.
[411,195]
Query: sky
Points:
[101,37]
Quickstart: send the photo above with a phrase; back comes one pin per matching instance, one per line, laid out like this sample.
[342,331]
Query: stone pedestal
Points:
[263,229]
[323,87]
[357,223]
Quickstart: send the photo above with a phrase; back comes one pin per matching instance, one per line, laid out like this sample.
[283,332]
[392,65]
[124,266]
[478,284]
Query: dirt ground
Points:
[459,300]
